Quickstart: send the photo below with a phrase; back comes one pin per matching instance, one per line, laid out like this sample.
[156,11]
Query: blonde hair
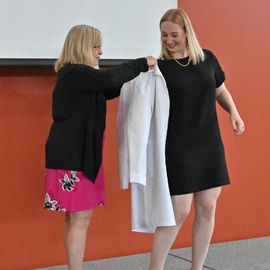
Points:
[78,46]
[179,17]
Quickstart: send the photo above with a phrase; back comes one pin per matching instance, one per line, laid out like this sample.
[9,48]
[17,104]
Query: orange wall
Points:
[31,237]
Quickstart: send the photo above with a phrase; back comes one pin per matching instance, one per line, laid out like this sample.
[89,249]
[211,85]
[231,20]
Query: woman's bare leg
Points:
[164,236]
[205,206]
[75,235]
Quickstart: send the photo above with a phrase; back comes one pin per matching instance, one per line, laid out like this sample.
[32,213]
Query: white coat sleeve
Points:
[135,112]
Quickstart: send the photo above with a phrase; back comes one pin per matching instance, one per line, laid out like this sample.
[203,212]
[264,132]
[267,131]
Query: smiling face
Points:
[173,38]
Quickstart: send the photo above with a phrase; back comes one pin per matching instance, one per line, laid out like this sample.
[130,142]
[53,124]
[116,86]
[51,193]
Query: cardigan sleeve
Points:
[111,93]
[91,79]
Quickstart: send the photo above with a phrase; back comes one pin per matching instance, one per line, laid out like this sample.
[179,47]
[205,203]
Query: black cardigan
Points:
[79,114]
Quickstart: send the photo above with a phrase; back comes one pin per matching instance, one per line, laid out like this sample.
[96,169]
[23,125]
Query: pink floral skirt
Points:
[72,191]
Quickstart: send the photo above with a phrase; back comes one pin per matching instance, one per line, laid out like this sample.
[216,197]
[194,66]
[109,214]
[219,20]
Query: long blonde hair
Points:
[78,46]
[179,17]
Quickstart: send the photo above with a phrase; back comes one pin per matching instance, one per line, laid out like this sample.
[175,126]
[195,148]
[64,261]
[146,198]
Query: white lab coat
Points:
[142,128]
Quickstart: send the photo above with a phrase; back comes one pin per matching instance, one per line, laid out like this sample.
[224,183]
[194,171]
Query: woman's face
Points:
[97,52]
[173,38]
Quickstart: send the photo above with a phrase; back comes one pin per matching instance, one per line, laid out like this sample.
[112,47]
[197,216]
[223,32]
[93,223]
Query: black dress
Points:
[195,156]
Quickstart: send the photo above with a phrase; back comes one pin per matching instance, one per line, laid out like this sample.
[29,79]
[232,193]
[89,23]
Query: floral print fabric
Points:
[71,191]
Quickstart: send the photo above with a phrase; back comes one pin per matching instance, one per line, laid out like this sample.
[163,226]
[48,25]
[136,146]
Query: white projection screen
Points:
[36,29]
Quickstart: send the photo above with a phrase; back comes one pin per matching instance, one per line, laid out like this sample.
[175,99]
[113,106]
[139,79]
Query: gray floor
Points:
[251,254]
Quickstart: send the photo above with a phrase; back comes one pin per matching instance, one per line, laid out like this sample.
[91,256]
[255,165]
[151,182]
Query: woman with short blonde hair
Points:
[74,181]
[78,46]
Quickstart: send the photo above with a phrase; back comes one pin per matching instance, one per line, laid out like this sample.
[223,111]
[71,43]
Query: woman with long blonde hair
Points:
[195,159]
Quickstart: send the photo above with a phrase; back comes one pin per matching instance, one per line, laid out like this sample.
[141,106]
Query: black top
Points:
[194,151]
[79,114]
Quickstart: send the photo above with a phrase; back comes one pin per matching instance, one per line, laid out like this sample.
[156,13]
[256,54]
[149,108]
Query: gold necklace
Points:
[183,65]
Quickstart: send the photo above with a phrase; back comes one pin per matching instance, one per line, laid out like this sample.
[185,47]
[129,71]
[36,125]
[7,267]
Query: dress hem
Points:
[201,189]
[77,210]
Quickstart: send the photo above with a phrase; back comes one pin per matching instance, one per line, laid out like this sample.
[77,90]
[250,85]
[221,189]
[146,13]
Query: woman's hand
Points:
[151,62]
[225,100]
[237,123]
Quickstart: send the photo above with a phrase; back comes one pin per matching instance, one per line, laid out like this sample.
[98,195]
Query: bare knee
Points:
[206,210]
[78,219]
[181,206]
[181,216]
[205,203]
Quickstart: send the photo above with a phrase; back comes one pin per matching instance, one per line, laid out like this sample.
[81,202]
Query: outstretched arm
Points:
[225,100]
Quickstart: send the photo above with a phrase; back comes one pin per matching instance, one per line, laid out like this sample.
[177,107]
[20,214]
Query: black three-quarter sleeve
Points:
[218,72]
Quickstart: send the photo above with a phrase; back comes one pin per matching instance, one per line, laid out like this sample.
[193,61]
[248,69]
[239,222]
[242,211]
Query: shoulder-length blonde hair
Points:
[179,17]
[78,46]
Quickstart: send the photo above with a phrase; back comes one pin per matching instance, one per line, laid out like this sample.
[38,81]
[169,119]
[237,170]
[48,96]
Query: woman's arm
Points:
[94,79]
[112,92]
[225,100]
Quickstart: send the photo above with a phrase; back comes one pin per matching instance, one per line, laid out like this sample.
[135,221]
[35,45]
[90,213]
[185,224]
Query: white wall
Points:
[36,29]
